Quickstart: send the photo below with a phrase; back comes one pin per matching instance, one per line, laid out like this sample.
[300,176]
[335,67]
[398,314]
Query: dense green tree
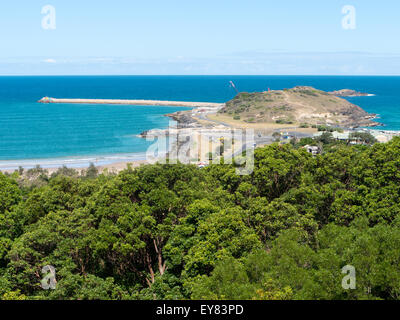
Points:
[364,137]
[173,231]
[10,194]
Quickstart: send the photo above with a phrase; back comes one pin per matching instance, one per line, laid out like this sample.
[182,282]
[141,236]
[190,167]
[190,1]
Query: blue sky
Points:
[200,37]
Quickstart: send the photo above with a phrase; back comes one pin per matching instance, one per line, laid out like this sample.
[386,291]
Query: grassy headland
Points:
[297,106]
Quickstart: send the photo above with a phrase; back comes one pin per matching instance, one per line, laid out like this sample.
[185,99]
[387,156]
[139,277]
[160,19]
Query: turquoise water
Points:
[29,130]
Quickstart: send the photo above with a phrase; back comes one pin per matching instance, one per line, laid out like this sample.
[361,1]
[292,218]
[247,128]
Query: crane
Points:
[231,84]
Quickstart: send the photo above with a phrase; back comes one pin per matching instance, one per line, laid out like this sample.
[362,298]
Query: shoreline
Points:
[74,162]
[111,167]
[111,162]
[202,116]
[116,162]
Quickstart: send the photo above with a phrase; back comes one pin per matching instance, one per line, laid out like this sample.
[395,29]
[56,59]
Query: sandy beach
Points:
[111,168]
[119,166]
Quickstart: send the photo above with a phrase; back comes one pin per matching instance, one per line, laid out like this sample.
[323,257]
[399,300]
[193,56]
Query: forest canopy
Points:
[180,232]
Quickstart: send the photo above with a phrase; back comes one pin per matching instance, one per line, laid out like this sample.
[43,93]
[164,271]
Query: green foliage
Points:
[10,194]
[92,171]
[325,138]
[284,121]
[364,137]
[276,136]
[228,281]
[13,295]
[178,232]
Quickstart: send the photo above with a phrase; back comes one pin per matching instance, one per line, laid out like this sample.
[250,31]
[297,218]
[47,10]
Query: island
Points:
[348,93]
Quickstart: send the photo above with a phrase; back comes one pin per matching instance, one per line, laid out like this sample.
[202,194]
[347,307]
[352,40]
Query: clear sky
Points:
[200,37]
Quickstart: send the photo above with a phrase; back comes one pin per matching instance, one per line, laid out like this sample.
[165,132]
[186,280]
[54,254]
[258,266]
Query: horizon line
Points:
[200,75]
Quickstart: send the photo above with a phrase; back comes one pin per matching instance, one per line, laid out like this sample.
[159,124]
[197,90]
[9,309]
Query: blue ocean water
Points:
[29,130]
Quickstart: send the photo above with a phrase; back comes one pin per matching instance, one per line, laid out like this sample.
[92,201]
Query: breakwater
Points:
[135,102]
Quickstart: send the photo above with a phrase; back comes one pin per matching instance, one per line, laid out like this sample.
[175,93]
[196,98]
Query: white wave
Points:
[72,162]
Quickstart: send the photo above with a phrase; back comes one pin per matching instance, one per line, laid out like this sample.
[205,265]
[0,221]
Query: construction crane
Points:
[231,84]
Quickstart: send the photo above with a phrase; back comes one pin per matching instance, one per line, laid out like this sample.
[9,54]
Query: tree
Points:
[92,171]
[10,194]
[363,137]
[228,281]
[276,136]
[176,232]
[325,138]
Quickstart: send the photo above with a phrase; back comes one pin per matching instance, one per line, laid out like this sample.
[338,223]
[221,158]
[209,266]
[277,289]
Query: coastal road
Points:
[203,116]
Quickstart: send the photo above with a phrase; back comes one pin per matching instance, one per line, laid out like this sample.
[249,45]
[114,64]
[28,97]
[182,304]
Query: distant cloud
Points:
[250,63]
[49,61]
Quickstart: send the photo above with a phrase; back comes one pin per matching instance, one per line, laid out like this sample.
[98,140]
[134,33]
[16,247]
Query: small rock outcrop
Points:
[347,93]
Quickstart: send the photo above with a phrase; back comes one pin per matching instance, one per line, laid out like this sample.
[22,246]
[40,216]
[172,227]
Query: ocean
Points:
[53,134]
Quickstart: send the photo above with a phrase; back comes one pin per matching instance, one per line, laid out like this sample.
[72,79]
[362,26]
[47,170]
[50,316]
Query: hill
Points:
[297,105]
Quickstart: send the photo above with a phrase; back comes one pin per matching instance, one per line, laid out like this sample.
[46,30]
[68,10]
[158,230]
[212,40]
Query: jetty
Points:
[136,102]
